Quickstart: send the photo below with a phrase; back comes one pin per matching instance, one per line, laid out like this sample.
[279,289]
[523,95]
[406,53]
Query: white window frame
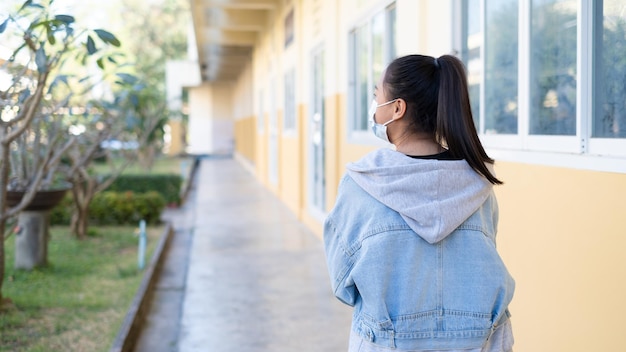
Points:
[580,151]
[612,147]
[365,136]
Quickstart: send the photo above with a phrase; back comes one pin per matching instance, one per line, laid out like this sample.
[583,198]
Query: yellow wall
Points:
[562,236]
[276,187]
[332,132]
[292,167]
[245,138]
[177,134]
[261,153]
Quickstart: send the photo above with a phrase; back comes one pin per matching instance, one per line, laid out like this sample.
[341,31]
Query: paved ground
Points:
[242,275]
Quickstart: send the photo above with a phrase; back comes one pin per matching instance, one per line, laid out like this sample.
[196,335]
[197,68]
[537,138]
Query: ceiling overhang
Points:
[226,32]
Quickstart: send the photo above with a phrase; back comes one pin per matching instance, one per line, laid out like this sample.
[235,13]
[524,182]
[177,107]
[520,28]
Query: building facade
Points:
[285,86]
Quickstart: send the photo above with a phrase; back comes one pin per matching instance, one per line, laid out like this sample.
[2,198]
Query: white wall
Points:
[179,74]
[200,126]
[211,122]
[222,129]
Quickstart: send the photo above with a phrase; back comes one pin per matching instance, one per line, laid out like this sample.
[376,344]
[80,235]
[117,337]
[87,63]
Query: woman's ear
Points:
[399,109]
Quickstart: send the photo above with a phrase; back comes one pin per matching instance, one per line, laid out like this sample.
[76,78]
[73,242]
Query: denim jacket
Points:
[411,245]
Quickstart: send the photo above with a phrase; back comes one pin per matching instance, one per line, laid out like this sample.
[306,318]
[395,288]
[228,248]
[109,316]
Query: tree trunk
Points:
[4,180]
[31,241]
[80,222]
[2,260]
[83,193]
[147,156]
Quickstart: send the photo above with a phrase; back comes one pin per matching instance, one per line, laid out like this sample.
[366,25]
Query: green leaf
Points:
[100,63]
[111,60]
[25,5]
[67,19]
[91,46]
[57,79]
[29,3]
[127,78]
[51,38]
[41,60]
[107,37]
[3,26]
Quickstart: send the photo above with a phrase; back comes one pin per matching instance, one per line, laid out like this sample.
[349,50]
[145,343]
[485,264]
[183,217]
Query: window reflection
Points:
[372,48]
[553,67]
[610,71]
[501,66]
[363,76]
[474,62]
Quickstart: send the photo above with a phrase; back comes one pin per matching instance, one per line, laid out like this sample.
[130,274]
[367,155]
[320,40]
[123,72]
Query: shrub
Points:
[62,213]
[114,208]
[168,185]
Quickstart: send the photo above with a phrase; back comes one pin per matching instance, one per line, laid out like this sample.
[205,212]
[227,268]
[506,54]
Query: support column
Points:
[31,241]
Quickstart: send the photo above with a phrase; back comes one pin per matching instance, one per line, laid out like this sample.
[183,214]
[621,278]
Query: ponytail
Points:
[455,125]
[437,103]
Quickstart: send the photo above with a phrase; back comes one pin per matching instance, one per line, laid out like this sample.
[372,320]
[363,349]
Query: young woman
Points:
[410,243]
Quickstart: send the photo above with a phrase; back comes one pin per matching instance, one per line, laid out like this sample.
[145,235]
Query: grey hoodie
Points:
[434,197]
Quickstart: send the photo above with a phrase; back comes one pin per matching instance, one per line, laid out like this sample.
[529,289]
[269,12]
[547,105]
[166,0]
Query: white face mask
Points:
[379,130]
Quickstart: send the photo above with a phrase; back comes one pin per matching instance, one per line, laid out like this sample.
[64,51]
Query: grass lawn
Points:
[162,165]
[79,301]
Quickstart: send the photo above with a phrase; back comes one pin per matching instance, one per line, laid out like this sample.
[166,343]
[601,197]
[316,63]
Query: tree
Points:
[44,43]
[149,47]
[124,119]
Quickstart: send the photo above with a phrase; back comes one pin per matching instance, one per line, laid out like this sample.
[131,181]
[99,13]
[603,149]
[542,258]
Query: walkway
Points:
[242,275]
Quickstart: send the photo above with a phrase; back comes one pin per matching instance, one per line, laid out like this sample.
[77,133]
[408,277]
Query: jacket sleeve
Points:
[339,265]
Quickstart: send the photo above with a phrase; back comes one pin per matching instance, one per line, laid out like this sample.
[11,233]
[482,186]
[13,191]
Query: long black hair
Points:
[437,100]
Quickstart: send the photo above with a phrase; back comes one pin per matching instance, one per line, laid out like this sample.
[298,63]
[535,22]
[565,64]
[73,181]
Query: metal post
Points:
[142,245]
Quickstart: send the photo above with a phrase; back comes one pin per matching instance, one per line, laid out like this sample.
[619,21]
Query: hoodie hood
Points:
[434,197]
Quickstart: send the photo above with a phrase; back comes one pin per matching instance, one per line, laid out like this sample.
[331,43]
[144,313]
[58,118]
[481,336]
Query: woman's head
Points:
[414,79]
[436,103]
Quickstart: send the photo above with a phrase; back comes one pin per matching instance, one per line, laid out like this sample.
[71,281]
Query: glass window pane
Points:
[391,33]
[372,47]
[290,101]
[610,72]
[501,66]
[474,62]
[378,51]
[363,85]
[553,67]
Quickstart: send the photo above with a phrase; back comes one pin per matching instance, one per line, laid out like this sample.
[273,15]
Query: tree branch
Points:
[30,112]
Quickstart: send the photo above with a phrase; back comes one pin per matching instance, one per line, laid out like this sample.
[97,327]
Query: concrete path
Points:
[242,275]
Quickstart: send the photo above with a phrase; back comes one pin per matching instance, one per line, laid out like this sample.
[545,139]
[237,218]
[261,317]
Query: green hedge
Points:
[168,185]
[114,208]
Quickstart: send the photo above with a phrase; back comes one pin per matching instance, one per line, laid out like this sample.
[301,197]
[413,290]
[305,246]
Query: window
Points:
[289,29]
[610,70]
[372,47]
[289,123]
[501,67]
[547,75]
[472,56]
[553,78]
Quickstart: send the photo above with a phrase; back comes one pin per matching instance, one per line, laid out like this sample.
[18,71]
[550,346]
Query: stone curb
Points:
[135,317]
[131,327]
[191,180]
